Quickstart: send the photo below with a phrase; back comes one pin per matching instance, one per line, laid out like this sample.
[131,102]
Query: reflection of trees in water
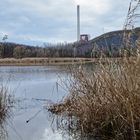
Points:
[68,127]
[3,132]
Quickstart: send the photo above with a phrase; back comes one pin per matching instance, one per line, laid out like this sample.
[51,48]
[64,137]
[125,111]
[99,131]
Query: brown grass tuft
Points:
[5,105]
[104,102]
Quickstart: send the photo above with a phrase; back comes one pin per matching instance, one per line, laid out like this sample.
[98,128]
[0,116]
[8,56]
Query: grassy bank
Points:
[103,103]
[42,61]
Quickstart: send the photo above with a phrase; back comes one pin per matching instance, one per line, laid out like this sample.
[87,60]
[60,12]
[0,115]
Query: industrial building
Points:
[111,41]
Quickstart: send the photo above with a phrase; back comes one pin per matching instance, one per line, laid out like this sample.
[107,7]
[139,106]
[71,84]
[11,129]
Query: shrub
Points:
[104,102]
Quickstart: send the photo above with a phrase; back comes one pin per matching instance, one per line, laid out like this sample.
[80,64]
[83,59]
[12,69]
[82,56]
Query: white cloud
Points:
[48,20]
[98,7]
[24,19]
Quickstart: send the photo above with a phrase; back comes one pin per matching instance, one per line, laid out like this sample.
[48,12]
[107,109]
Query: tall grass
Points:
[105,102]
[5,105]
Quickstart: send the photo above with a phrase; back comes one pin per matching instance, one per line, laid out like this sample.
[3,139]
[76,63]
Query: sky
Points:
[35,22]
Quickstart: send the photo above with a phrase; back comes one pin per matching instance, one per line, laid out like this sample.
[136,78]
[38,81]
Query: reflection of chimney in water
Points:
[78,22]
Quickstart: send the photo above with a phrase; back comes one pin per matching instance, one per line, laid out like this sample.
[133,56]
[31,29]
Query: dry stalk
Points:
[104,102]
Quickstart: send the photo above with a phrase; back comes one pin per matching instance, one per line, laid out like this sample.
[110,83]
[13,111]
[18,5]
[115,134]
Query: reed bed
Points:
[104,102]
[5,105]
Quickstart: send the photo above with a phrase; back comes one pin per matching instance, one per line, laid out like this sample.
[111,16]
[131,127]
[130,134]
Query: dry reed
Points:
[5,105]
[105,102]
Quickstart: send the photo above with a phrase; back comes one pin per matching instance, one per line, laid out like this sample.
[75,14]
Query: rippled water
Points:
[30,86]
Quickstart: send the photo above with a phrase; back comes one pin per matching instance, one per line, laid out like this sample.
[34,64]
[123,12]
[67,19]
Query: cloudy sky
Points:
[36,21]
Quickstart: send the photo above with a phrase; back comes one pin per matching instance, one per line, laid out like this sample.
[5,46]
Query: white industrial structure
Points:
[78,22]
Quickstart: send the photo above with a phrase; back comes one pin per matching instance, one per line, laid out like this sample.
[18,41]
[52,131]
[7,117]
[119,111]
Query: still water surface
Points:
[30,86]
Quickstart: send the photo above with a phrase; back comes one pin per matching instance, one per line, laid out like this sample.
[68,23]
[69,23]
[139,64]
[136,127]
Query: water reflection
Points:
[29,85]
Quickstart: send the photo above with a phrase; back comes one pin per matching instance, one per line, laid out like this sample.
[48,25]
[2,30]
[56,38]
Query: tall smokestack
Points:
[78,22]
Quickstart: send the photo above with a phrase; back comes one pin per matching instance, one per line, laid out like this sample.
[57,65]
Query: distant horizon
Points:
[41,44]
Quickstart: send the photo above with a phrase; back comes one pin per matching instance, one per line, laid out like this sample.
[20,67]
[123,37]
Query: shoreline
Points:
[56,61]
[43,61]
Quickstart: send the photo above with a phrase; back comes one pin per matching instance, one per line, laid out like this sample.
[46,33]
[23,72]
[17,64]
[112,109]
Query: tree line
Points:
[82,49]
[12,50]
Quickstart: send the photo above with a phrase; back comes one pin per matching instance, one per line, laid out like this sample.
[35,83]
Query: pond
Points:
[33,87]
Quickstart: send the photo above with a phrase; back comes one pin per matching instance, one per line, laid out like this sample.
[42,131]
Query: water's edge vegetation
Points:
[6,102]
[103,103]
[43,61]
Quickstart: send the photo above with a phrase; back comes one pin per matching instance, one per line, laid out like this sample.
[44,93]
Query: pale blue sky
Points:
[38,21]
